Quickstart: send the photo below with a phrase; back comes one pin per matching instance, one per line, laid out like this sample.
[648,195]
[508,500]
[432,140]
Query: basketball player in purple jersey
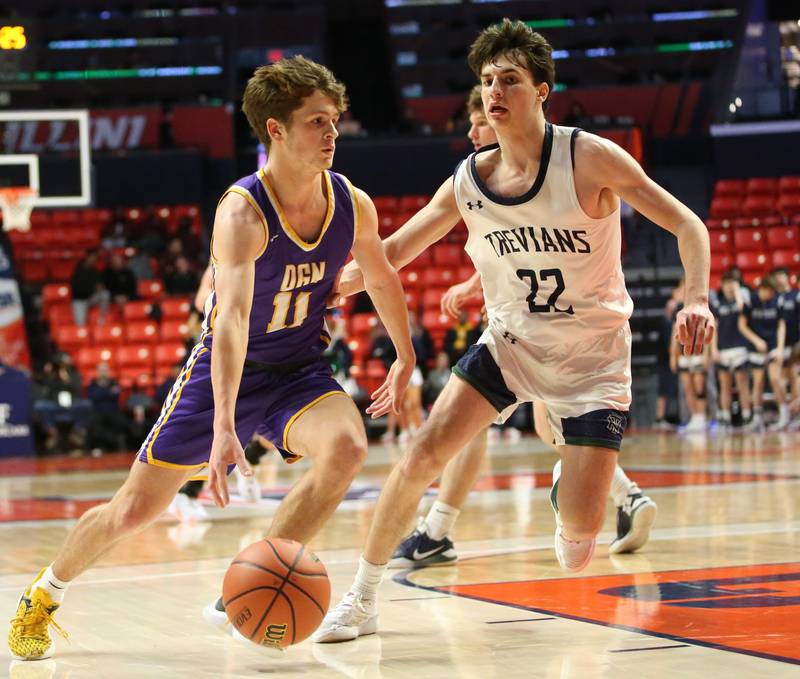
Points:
[280,237]
[542,209]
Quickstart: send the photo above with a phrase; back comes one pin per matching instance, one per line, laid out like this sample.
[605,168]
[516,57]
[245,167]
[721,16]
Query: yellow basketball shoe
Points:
[29,637]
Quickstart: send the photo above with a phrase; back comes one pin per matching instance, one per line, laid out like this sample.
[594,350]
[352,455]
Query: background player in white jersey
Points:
[545,239]
[430,543]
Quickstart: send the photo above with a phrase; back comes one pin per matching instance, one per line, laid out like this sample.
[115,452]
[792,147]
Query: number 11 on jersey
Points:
[281,304]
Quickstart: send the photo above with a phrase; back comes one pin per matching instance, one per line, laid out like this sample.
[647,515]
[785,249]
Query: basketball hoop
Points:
[16,204]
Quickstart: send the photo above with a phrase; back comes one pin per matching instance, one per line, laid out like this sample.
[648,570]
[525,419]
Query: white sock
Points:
[441,519]
[725,415]
[52,585]
[368,578]
[746,414]
[784,411]
[621,487]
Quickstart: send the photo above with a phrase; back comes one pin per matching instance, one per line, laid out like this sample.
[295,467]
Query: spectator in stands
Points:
[88,290]
[58,409]
[107,426]
[192,245]
[182,280]
[577,116]
[458,338]
[421,339]
[139,408]
[381,347]
[163,389]
[141,266]
[338,354]
[437,378]
[119,280]
[763,326]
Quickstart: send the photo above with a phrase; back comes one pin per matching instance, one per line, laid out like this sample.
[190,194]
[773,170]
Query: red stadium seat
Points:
[783,237]
[749,240]
[109,334]
[412,203]
[752,262]
[789,259]
[62,270]
[59,314]
[465,273]
[437,325]
[715,280]
[447,254]
[432,298]
[177,308]
[89,357]
[715,224]
[55,292]
[137,311]
[730,187]
[789,184]
[130,377]
[360,347]
[71,338]
[789,204]
[413,299]
[744,222]
[762,185]
[423,261]
[40,219]
[410,279]
[386,204]
[439,278]
[387,224]
[150,290]
[721,262]
[168,354]
[143,332]
[65,217]
[721,241]
[135,356]
[362,324]
[173,331]
[726,207]
[759,205]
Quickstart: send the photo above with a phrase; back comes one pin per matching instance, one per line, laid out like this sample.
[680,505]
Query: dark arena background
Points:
[120,129]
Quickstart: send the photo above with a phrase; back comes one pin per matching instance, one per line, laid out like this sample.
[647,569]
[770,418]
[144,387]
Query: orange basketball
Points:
[276,592]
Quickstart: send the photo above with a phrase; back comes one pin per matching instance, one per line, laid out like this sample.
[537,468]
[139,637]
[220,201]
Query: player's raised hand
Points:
[454,298]
[225,450]
[389,396]
[695,327]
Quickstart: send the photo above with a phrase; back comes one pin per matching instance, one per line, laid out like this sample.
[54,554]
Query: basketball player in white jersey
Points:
[430,543]
[542,210]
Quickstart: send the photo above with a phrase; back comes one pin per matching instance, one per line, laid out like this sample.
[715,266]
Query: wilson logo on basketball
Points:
[273,635]
[242,618]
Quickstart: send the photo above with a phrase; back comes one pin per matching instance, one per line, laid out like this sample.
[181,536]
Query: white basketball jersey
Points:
[550,273]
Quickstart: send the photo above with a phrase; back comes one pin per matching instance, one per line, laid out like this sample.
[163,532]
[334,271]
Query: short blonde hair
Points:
[474,101]
[277,90]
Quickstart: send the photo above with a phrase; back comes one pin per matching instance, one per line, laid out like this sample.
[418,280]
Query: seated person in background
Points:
[437,378]
[88,289]
[458,338]
[139,408]
[182,280]
[58,408]
[107,425]
[763,326]
[119,280]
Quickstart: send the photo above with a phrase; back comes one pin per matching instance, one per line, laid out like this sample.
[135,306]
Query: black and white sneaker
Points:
[419,550]
[634,519]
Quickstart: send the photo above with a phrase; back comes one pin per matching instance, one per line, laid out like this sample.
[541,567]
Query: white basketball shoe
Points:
[355,616]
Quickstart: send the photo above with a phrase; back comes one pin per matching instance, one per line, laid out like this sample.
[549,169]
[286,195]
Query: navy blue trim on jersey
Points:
[572,139]
[479,368]
[455,172]
[547,147]
[598,428]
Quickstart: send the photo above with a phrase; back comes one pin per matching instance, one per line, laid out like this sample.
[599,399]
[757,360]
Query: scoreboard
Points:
[17,49]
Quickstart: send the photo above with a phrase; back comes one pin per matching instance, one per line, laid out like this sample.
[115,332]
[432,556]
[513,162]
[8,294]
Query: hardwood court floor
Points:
[716,591]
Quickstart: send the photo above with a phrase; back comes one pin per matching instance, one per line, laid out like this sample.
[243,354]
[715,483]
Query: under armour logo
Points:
[275,237]
[477,204]
[507,335]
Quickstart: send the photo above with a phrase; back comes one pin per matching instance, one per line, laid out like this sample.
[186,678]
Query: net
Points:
[16,204]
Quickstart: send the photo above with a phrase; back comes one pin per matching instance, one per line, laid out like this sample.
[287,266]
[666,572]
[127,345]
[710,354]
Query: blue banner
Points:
[15,413]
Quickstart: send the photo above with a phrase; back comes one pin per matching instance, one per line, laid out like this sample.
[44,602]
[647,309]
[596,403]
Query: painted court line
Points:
[648,648]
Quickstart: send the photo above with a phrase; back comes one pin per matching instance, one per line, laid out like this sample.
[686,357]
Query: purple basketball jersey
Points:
[293,278]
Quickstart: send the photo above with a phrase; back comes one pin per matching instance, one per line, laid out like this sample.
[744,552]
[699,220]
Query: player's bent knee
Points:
[130,514]
[422,464]
[347,455]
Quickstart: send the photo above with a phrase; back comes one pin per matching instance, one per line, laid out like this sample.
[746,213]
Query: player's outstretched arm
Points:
[239,238]
[384,288]
[624,176]
[457,294]
[426,227]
